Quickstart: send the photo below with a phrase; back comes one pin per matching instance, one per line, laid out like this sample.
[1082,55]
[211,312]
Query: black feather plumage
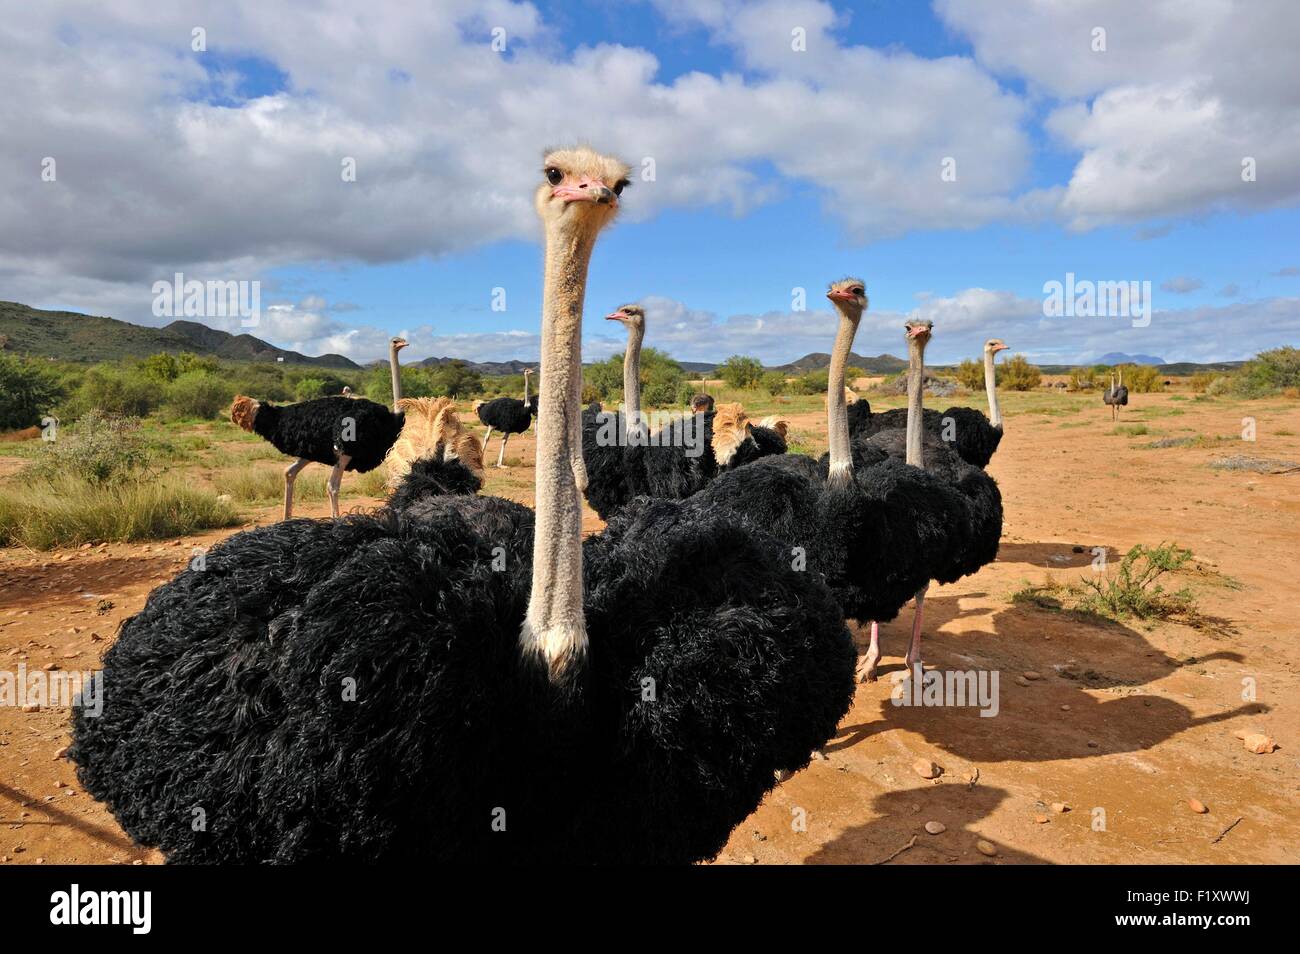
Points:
[320,429]
[965,428]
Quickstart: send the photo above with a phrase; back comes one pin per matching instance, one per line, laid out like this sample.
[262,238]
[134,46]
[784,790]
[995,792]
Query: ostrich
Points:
[676,463]
[1116,397]
[346,432]
[974,436]
[975,535]
[371,689]
[875,527]
[508,415]
[768,434]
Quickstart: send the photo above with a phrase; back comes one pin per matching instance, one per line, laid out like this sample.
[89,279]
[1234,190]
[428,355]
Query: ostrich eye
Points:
[858,291]
[619,186]
[554,176]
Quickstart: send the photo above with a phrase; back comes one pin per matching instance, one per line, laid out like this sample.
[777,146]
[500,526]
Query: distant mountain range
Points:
[69,336]
[1119,357]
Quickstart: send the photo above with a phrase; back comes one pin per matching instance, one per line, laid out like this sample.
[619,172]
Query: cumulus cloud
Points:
[1184,110]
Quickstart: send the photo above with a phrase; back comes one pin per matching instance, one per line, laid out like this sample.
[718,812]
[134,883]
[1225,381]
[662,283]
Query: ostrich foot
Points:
[867,666]
[866,671]
[913,657]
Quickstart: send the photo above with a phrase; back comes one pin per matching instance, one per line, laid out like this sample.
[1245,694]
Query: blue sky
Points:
[777,168]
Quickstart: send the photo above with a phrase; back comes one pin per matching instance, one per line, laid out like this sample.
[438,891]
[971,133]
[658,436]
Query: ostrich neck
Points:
[837,412]
[397,376]
[555,627]
[991,389]
[915,391]
[525,389]
[632,377]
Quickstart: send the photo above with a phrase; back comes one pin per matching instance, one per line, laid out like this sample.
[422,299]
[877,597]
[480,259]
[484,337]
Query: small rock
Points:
[1060,807]
[747,860]
[1065,708]
[1021,681]
[31,708]
[40,861]
[819,756]
[73,655]
[137,862]
[759,836]
[61,753]
[935,827]
[1076,549]
[50,667]
[1197,806]
[1031,674]
[1041,819]
[986,848]
[1093,745]
[926,769]
[60,784]
[1258,743]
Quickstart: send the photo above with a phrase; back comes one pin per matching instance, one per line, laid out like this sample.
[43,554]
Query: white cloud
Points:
[1181,285]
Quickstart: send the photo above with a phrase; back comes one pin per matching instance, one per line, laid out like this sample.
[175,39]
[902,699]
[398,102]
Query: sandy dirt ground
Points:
[1125,723]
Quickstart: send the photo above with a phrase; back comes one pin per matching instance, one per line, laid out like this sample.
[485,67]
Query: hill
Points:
[1119,357]
[70,336]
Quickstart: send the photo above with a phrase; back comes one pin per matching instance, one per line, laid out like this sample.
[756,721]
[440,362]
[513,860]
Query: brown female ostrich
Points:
[1116,397]
[348,433]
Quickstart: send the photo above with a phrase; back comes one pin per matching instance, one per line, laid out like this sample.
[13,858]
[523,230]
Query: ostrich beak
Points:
[839,293]
[616,316]
[587,190]
[918,331]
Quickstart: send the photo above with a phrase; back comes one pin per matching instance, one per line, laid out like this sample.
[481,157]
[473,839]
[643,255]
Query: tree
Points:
[742,372]
[1019,375]
[27,392]
[970,374]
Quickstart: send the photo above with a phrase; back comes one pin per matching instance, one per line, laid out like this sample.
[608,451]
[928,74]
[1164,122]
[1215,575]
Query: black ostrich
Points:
[345,432]
[507,415]
[873,525]
[625,460]
[375,688]
[1116,397]
[973,436]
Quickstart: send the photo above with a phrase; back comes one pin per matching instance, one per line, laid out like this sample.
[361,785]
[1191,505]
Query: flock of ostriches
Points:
[457,677]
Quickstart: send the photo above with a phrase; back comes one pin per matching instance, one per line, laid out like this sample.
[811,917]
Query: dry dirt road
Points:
[1126,723]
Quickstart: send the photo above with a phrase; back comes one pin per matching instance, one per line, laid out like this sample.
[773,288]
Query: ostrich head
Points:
[850,294]
[580,189]
[701,404]
[243,411]
[918,330]
[994,345]
[397,343]
[731,428]
[632,316]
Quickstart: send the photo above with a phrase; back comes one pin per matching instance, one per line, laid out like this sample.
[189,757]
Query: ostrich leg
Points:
[913,658]
[867,666]
[487,437]
[502,456]
[336,478]
[290,473]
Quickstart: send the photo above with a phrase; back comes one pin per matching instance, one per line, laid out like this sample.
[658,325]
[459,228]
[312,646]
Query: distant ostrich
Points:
[345,432]
[679,461]
[768,434]
[974,436]
[370,689]
[507,415]
[432,431]
[1116,397]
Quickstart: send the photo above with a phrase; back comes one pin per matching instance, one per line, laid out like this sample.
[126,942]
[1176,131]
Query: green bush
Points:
[662,379]
[814,382]
[307,388]
[1085,379]
[774,383]
[117,391]
[1018,375]
[1134,590]
[98,449]
[198,394]
[1268,373]
[28,392]
[742,372]
[1141,378]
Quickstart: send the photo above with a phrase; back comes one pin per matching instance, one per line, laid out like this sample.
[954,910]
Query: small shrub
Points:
[1143,378]
[1268,373]
[98,449]
[198,394]
[774,383]
[1220,386]
[1018,374]
[1134,589]
[117,391]
[970,374]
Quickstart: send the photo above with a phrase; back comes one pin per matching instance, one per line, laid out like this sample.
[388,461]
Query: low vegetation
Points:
[1134,589]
